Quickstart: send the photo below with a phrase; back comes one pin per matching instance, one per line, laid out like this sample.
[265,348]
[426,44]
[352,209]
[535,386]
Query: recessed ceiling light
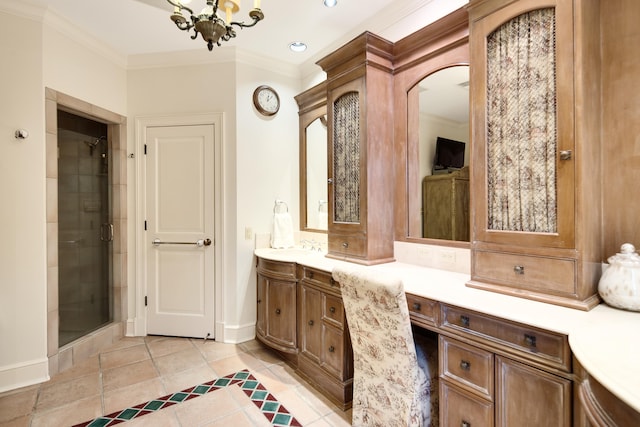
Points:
[330,3]
[297,46]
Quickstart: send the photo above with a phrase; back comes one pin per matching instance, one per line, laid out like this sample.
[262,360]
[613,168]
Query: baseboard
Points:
[24,374]
[238,334]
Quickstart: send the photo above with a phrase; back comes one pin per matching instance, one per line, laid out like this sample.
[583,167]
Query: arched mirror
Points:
[313,158]
[438,156]
[316,174]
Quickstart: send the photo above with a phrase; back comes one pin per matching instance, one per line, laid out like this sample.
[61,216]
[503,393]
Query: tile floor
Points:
[141,369]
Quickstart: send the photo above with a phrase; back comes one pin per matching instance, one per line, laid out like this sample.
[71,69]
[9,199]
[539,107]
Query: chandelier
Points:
[214,28]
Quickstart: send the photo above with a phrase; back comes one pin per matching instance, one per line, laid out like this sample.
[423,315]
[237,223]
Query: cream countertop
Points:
[603,339]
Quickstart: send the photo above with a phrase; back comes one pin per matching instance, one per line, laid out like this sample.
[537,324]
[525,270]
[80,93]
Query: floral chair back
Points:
[390,386]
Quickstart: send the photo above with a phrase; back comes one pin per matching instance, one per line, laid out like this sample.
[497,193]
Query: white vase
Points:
[620,283]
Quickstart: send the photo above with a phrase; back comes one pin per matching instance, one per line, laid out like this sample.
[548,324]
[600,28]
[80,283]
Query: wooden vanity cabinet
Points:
[360,153]
[536,176]
[325,357]
[276,324]
[497,372]
[300,314]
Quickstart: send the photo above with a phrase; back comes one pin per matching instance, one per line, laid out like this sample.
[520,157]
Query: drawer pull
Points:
[416,306]
[465,365]
[310,322]
[332,309]
[464,321]
[518,269]
[277,311]
[331,349]
[565,155]
[345,245]
[465,424]
[310,274]
[530,340]
[259,301]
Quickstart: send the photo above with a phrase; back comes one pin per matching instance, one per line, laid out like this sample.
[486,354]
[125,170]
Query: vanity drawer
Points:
[470,367]
[334,310]
[549,348]
[422,310]
[347,245]
[319,278]
[463,409]
[279,269]
[554,276]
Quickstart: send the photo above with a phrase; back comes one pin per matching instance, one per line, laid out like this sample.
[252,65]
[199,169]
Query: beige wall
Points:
[23,272]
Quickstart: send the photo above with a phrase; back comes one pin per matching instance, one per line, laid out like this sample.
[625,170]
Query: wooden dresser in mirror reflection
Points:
[445,205]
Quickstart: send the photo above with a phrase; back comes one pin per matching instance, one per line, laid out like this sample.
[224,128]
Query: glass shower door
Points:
[85,232]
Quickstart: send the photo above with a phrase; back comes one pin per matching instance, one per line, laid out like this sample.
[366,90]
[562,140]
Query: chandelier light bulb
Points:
[330,3]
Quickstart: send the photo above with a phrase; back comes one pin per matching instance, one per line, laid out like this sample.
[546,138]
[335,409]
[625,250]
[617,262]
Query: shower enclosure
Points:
[85,232]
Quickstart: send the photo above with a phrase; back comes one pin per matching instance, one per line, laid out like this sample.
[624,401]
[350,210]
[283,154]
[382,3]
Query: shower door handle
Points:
[106,232]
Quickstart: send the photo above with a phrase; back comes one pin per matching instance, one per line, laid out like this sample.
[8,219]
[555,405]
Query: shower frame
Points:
[62,358]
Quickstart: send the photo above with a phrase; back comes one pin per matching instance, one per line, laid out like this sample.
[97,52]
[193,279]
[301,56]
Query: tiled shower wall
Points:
[65,357]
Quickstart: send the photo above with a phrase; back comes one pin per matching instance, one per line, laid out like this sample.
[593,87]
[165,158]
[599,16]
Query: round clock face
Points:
[266,100]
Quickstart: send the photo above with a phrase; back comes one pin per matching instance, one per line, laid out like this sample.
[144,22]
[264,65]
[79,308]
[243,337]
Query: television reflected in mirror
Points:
[449,155]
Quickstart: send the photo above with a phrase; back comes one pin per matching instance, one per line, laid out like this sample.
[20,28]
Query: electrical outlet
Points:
[248,233]
[447,256]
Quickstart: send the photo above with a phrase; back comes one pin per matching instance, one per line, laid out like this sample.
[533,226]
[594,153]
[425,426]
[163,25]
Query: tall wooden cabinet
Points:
[445,206]
[360,157]
[536,167]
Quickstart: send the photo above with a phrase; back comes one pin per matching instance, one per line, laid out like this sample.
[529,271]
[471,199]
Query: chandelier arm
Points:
[184,26]
[243,25]
[180,6]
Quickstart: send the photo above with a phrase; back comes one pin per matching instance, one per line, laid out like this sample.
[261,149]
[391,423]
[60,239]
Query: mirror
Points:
[316,174]
[312,105]
[438,155]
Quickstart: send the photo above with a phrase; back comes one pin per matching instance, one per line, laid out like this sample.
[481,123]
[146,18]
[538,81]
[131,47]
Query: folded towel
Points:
[282,235]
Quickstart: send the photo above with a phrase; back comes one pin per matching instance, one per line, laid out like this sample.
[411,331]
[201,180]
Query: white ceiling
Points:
[135,27]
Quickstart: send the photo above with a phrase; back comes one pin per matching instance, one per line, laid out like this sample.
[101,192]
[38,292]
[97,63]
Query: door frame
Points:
[139,327]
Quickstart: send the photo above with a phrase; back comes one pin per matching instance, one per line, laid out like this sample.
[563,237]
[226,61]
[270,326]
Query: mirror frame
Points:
[312,104]
[440,45]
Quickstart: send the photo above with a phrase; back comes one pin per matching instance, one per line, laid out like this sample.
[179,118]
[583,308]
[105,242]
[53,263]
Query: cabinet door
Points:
[529,397]
[311,323]
[280,317]
[347,151]
[523,123]
[261,304]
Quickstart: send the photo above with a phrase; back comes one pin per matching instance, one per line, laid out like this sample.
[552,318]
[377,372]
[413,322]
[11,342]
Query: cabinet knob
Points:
[345,245]
[416,306]
[464,321]
[332,282]
[332,309]
[277,311]
[259,301]
[330,181]
[530,340]
[310,322]
[465,365]
[331,349]
[565,154]
[518,269]
[310,275]
[465,424]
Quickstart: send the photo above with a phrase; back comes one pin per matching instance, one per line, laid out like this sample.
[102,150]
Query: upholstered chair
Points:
[391,380]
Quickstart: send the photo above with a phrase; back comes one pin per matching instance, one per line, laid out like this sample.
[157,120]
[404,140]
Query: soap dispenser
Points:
[619,285]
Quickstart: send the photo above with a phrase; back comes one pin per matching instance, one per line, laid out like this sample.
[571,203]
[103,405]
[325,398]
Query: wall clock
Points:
[266,100]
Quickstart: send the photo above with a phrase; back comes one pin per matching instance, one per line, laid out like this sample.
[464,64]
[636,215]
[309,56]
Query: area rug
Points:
[273,410]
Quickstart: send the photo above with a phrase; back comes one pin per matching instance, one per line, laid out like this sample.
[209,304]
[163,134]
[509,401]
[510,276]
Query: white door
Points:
[179,230]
